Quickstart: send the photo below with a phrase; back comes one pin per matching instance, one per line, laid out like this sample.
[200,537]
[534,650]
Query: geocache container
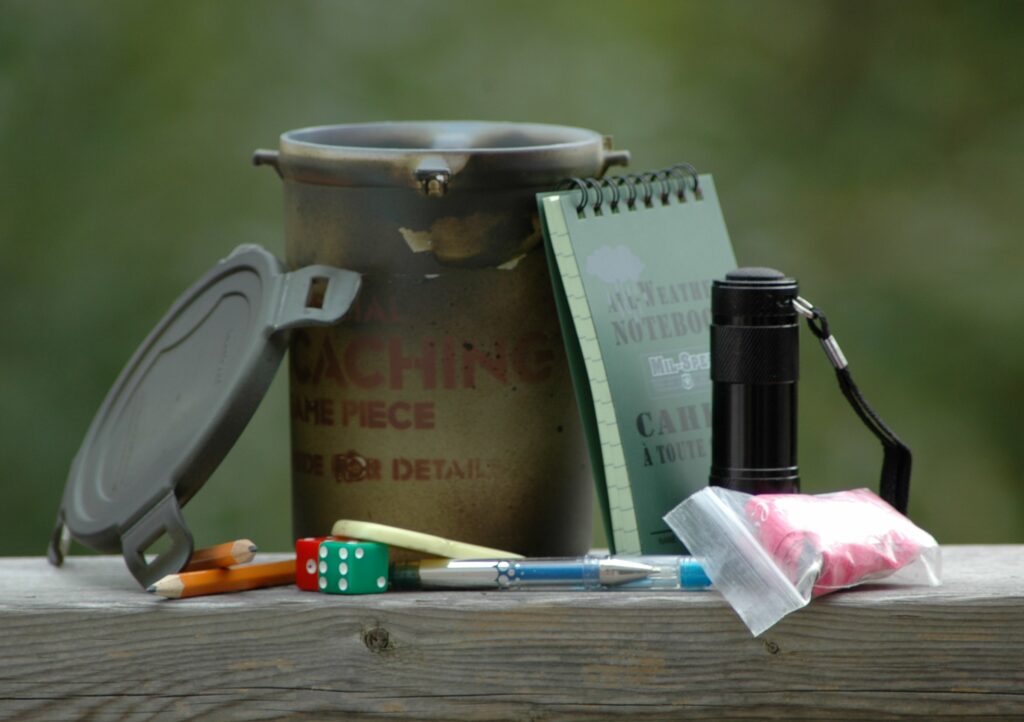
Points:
[442,402]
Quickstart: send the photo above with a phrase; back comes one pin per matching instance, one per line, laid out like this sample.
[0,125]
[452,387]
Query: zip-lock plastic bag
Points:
[770,554]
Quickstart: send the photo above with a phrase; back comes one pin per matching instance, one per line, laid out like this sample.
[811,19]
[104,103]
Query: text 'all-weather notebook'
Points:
[632,259]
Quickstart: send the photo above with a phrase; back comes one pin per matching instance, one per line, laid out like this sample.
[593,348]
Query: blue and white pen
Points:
[587,573]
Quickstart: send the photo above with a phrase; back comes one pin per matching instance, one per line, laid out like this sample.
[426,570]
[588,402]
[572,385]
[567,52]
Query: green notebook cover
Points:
[633,291]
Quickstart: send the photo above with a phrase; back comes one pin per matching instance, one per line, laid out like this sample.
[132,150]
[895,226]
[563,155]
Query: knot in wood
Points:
[771,647]
[377,639]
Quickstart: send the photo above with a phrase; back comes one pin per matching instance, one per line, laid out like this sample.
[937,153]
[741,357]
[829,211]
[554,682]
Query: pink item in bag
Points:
[857,535]
[769,555]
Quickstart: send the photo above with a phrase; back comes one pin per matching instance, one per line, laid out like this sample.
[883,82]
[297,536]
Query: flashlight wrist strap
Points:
[894,485]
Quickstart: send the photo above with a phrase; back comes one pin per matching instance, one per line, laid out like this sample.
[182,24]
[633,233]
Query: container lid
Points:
[182,401]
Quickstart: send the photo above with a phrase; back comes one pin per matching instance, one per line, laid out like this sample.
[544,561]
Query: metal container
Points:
[443,401]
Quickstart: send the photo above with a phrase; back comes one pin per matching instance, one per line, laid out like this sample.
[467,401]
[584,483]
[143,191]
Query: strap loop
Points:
[894,485]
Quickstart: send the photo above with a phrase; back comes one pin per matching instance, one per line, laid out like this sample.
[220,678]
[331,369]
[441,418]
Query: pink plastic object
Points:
[856,534]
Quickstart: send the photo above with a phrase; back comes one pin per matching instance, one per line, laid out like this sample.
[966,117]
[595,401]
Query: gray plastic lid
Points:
[183,400]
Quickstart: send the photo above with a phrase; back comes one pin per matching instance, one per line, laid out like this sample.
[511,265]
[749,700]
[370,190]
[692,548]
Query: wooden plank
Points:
[85,642]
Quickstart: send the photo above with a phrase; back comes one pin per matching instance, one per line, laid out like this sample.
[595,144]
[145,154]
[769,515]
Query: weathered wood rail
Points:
[84,642]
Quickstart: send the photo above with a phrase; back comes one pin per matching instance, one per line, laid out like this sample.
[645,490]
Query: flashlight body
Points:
[755,364]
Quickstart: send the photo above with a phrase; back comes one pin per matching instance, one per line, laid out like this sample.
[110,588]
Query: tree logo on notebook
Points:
[614,264]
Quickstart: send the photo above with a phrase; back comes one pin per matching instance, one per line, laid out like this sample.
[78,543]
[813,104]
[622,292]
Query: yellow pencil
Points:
[221,555]
[218,581]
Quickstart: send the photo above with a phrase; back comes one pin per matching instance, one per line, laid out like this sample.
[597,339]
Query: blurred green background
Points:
[873,150]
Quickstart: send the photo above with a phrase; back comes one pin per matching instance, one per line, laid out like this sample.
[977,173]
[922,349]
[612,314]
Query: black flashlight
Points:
[755,364]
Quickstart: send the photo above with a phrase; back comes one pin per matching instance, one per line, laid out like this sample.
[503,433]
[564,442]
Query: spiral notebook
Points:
[632,259]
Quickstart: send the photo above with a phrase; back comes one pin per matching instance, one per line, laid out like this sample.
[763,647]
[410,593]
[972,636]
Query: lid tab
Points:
[162,519]
[314,296]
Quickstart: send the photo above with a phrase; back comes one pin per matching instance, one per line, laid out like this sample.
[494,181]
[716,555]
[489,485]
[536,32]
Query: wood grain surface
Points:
[85,642]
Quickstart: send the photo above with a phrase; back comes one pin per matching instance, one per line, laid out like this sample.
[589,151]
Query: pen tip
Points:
[622,571]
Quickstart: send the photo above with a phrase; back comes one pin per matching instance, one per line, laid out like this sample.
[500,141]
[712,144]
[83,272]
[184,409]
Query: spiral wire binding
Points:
[643,187]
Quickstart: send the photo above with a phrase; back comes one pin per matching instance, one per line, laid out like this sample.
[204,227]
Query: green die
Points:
[352,567]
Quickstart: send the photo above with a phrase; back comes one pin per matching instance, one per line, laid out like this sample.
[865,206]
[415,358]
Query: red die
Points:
[306,559]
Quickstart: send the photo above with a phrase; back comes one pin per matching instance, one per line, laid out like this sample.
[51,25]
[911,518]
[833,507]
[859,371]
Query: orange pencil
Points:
[223,555]
[218,581]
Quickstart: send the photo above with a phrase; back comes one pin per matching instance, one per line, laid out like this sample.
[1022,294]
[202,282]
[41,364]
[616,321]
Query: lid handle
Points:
[610,156]
[163,519]
[314,296]
[268,157]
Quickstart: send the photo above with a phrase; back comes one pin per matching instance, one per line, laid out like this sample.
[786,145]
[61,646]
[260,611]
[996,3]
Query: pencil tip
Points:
[151,588]
[253,548]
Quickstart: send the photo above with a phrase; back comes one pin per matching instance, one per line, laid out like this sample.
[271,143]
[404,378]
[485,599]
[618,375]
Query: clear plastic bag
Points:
[770,554]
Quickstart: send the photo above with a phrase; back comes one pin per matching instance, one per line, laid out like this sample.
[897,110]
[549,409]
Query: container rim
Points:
[302,141]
